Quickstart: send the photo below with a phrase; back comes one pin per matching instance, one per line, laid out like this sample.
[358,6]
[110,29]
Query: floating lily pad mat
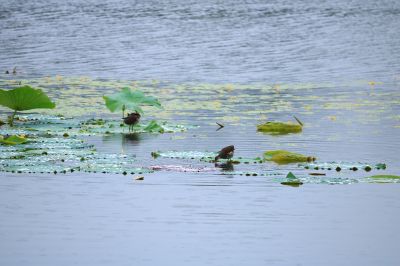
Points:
[208,157]
[55,155]
[328,121]
[339,166]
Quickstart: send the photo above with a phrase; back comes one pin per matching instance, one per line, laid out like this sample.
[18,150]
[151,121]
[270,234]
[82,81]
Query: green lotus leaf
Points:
[154,127]
[286,157]
[13,140]
[25,98]
[128,99]
[292,180]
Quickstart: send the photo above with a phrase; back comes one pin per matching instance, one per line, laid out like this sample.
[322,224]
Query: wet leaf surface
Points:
[286,157]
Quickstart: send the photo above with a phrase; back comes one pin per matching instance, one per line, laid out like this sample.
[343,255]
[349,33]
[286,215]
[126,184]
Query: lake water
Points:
[335,65]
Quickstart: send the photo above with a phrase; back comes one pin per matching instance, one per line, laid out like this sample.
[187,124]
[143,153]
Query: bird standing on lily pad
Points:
[129,99]
[132,119]
[225,153]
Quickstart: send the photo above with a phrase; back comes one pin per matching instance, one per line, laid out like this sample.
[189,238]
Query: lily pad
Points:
[385,176]
[279,128]
[184,154]
[13,140]
[208,157]
[338,166]
[286,157]
[94,127]
[129,99]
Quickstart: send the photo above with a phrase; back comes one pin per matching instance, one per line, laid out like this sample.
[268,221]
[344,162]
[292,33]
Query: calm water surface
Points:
[323,54]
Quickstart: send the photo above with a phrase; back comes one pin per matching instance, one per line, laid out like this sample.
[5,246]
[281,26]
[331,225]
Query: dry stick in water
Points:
[220,125]
[298,121]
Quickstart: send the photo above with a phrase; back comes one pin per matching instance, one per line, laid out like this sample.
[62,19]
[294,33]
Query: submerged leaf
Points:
[285,157]
[279,128]
[128,99]
[25,98]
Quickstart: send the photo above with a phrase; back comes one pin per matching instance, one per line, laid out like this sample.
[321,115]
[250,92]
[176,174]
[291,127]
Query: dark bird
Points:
[132,119]
[225,153]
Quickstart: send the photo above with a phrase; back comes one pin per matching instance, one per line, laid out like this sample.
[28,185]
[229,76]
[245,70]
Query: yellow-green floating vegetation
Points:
[279,128]
[286,157]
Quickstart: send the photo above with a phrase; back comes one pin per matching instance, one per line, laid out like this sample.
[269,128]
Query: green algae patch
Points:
[13,140]
[286,157]
[279,128]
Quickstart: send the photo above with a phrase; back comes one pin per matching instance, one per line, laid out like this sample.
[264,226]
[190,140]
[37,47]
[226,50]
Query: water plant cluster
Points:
[37,143]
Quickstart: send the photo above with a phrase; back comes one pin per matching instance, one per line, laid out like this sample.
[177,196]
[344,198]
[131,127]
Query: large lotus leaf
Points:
[130,100]
[25,98]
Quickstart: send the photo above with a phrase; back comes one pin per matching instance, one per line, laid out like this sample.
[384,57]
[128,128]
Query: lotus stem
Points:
[11,119]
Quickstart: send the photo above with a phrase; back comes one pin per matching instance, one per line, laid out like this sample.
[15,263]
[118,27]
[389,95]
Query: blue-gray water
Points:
[204,219]
[212,41]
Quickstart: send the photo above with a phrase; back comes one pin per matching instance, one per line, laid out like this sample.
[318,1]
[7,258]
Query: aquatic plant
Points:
[24,98]
[385,177]
[285,157]
[13,140]
[128,99]
[280,128]
[292,180]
